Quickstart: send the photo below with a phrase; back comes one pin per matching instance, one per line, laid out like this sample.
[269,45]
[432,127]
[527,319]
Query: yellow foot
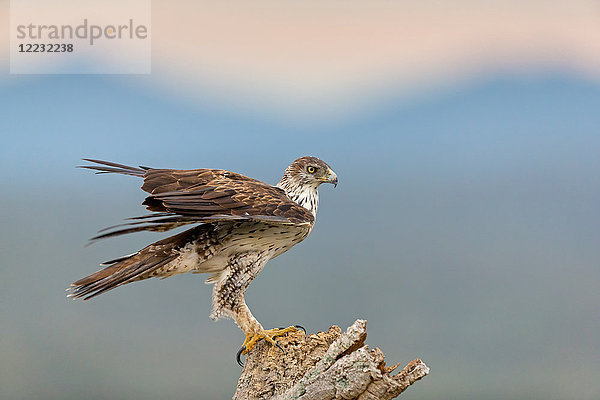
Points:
[267,335]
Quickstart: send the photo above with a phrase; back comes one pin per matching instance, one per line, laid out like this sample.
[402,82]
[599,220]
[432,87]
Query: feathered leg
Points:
[228,299]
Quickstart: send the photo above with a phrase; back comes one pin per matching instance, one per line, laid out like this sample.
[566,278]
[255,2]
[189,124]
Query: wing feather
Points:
[248,198]
[181,197]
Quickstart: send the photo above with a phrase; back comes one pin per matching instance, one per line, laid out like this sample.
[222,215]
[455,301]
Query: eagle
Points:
[240,224]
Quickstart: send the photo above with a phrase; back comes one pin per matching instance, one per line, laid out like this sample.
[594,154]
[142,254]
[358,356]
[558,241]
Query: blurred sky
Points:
[465,227]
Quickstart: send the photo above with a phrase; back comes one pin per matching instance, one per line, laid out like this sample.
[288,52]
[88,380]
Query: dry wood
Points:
[323,366]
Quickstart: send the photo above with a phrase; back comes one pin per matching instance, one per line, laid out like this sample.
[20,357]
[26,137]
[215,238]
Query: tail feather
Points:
[118,275]
[116,260]
[141,265]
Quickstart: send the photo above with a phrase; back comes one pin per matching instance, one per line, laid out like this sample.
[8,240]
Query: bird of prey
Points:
[240,224]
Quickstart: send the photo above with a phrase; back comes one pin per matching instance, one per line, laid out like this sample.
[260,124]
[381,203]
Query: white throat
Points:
[305,195]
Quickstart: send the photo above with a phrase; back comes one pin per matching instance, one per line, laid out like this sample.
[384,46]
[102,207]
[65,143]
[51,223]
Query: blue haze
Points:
[465,229]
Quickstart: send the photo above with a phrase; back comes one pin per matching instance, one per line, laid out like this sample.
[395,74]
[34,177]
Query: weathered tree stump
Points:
[323,366]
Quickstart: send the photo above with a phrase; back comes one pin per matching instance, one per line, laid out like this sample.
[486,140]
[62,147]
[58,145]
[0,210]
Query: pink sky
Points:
[307,55]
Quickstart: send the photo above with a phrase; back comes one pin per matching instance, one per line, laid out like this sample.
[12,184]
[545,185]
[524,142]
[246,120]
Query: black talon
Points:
[280,348]
[296,326]
[238,355]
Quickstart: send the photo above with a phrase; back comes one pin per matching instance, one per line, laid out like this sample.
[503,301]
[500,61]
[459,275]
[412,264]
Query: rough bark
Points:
[324,366]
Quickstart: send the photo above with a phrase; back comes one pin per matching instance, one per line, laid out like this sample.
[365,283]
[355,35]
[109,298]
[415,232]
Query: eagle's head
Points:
[302,179]
[310,171]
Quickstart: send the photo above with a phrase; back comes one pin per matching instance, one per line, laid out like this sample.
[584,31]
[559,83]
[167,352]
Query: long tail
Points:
[141,265]
[107,167]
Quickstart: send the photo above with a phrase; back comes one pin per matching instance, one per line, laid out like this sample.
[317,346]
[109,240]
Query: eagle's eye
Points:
[311,169]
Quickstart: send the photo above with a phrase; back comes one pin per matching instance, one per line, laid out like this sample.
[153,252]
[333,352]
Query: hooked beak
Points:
[332,178]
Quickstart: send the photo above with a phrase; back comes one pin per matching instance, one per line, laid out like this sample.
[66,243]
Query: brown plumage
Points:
[241,224]
[203,195]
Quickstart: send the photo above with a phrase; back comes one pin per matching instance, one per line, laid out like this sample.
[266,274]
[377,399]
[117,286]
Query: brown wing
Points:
[224,199]
[182,197]
[165,180]
[172,180]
